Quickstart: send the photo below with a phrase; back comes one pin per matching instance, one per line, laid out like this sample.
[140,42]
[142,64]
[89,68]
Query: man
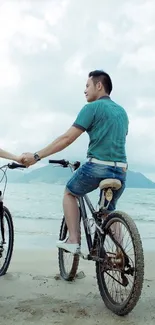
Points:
[107,126]
[10,156]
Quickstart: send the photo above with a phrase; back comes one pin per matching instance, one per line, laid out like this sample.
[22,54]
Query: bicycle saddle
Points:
[110,183]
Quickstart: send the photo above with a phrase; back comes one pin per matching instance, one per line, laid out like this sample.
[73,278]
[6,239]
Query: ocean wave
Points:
[36,218]
[143,203]
[151,206]
[148,238]
[34,232]
[136,219]
[141,219]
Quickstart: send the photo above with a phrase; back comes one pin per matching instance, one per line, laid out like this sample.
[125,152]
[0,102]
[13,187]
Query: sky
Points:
[47,49]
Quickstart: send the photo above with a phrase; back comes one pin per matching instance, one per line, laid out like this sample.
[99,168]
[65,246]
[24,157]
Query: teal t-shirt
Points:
[107,126]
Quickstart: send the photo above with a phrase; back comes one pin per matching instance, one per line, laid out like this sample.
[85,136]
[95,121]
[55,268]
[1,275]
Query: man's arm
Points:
[57,145]
[61,142]
[81,124]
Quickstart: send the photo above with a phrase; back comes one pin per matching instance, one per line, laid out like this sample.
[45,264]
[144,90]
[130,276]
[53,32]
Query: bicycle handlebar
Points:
[62,162]
[65,163]
[15,165]
[4,168]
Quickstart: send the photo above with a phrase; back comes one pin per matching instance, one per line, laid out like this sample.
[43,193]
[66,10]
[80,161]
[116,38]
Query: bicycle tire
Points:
[68,276]
[8,217]
[127,306]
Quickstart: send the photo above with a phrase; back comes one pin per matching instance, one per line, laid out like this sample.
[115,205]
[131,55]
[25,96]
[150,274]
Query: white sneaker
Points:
[71,248]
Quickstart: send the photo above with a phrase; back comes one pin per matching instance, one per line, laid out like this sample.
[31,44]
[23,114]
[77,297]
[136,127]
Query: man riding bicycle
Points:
[106,123]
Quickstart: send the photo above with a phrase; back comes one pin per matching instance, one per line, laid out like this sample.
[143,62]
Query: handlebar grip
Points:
[14,165]
[61,161]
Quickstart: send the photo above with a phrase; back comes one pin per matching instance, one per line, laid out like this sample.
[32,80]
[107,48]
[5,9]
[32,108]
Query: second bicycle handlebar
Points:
[4,168]
[65,163]
[15,165]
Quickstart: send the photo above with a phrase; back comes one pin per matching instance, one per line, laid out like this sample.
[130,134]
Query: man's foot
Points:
[69,247]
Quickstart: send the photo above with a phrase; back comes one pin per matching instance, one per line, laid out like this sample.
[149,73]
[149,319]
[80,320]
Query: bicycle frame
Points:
[84,217]
[1,220]
[98,216]
[10,166]
[100,232]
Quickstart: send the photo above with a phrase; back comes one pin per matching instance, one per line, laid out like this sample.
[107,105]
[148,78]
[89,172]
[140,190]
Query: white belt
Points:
[108,163]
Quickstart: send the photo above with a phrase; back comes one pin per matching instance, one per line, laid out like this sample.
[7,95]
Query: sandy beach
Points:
[30,294]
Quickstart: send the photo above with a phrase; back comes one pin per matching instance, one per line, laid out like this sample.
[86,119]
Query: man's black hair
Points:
[103,77]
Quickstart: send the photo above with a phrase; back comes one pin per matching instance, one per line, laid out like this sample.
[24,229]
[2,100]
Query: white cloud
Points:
[10,15]
[33,35]
[140,141]
[75,64]
[47,50]
[138,37]
[34,130]
[55,11]
[145,106]
[142,59]
[9,72]
[139,12]
[23,31]
[130,35]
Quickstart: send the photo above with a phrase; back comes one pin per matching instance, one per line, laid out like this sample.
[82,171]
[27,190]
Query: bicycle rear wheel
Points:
[6,248]
[68,263]
[120,277]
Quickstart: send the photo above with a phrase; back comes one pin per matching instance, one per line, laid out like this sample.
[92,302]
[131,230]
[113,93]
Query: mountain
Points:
[138,180]
[60,175]
[47,174]
[12,175]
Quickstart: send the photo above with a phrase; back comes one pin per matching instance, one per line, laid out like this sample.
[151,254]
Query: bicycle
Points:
[6,221]
[115,262]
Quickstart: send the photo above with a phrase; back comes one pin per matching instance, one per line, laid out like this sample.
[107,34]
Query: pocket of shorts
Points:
[87,171]
[97,170]
[84,177]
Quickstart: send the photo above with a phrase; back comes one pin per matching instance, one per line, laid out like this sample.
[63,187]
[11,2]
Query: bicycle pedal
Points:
[84,256]
[125,281]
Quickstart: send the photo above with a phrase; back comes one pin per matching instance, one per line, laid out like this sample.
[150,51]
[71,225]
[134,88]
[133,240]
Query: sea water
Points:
[37,213]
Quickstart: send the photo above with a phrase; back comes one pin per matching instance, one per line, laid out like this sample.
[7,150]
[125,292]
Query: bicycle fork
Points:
[2,242]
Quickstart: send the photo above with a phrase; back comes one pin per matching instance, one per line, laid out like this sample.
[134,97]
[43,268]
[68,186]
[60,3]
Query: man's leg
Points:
[116,227]
[72,217]
[82,182]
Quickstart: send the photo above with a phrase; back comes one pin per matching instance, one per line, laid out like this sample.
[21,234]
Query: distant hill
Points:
[138,180]
[59,175]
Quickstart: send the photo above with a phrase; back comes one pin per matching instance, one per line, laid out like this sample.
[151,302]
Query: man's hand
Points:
[19,159]
[28,159]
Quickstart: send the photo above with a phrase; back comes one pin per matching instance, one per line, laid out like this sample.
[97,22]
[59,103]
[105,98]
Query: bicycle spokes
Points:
[4,232]
[118,267]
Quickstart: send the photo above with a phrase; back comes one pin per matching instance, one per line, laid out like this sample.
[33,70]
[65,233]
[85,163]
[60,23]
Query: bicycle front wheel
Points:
[120,277]
[6,248]
[68,263]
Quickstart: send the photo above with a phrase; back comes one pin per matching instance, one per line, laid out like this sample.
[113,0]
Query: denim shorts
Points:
[87,178]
